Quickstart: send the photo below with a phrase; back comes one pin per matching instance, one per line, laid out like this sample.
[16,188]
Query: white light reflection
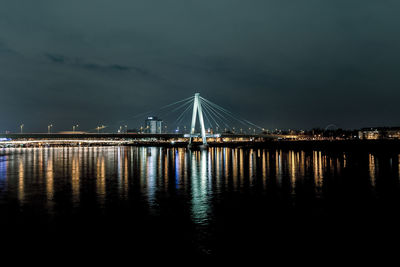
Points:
[151,175]
[101,178]
[278,166]
[201,187]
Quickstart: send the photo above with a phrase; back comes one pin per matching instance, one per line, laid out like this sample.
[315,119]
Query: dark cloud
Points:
[82,63]
[279,63]
[56,58]
[5,49]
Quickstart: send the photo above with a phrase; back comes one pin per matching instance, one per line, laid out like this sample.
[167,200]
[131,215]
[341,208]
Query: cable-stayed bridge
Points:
[181,116]
[193,120]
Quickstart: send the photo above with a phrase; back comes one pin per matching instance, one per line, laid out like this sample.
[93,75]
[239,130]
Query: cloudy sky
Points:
[278,63]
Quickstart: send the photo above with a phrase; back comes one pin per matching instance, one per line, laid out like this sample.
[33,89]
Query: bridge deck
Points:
[164,136]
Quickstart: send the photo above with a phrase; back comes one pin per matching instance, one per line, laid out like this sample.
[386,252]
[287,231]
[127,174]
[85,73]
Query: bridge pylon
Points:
[197,110]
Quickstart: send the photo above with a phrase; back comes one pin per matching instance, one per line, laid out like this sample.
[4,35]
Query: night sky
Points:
[278,63]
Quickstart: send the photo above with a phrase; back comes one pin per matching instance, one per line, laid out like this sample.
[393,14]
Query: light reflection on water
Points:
[201,186]
[112,174]
[21,181]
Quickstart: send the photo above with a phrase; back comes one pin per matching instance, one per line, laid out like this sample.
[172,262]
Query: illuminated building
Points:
[380,133]
[369,134]
[153,125]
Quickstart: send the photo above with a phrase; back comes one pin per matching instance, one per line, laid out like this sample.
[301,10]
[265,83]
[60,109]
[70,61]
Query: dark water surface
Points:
[218,202]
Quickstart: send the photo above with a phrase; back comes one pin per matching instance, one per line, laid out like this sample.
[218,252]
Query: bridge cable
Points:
[231,114]
[218,115]
[181,117]
[157,110]
[178,108]
[207,111]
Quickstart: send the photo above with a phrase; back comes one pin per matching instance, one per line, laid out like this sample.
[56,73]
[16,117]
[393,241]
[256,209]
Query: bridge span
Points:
[170,139]
[160,136]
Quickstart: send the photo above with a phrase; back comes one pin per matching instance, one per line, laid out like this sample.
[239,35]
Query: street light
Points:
[100,127]
[74,127]
[22,127]
[49,128]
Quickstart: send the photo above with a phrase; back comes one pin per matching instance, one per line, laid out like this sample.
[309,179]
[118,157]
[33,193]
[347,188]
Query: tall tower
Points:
[198,110]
